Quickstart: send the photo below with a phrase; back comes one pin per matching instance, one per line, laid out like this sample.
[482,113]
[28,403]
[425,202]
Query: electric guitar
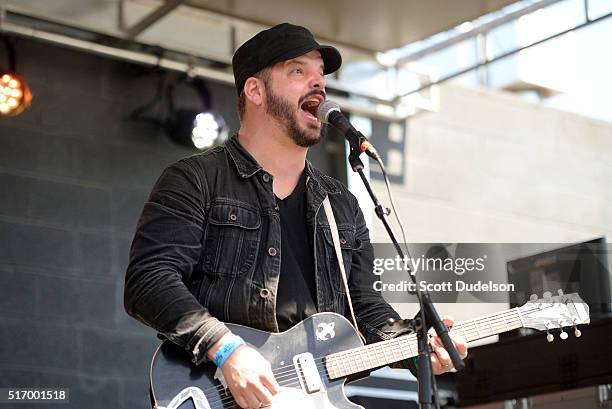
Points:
[312,360]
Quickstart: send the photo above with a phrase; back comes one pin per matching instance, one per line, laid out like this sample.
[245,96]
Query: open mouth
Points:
[310,106]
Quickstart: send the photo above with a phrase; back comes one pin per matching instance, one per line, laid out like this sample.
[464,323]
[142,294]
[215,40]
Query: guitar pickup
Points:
[308,373]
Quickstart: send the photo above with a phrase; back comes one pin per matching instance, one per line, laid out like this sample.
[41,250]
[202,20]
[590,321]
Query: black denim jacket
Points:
[208,244]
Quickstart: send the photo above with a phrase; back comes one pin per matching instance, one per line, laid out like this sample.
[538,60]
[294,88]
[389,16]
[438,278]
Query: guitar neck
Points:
[383,353]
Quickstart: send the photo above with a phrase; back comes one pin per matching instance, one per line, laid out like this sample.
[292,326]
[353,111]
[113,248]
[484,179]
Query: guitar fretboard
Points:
[387,352]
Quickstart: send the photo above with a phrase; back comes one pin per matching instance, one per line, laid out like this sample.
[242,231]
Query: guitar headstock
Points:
[547,313]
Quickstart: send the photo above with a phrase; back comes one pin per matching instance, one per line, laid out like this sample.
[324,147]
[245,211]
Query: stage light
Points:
[194,128]
[201,128]
[15,95]
[208,129]
[193,124]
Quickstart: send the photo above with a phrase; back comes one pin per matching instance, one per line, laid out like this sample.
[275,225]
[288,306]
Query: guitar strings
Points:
[320,365]
[291,380]
[228,397]
[234,404]
[499,321]
[472,331]
[291,374]
[461,326]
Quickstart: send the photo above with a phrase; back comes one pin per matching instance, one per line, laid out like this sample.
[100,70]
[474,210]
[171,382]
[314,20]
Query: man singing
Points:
[238,234]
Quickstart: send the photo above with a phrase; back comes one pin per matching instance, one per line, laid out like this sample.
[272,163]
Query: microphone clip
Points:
[360,144]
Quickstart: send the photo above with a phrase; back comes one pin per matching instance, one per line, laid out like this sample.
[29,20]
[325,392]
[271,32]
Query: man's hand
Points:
[440,360]
[249,376]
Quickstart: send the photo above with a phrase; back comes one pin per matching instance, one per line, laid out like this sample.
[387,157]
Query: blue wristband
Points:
[226,350]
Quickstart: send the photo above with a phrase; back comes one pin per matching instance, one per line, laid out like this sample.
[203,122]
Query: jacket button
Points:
[266,177]
[272,251]
[264,293]
[233,217]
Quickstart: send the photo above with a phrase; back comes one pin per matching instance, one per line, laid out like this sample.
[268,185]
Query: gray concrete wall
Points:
[490,167]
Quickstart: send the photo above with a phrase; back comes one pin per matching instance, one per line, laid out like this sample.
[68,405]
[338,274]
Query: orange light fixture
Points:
[15,95]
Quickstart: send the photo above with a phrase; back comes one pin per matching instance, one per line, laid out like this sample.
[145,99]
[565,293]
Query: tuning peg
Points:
[549,337]
[533,297]
[547,294]
[577,332]
[563,334]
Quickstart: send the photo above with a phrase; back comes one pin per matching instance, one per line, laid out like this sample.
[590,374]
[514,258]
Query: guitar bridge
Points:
[307,371]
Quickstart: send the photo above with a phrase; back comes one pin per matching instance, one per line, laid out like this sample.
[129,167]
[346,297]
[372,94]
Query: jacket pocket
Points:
[231,239]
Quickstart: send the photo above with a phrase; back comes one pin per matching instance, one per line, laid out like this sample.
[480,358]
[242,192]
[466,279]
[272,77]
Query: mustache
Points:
[312,93]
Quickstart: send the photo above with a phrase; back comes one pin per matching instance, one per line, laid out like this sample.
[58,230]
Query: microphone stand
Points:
[428,393]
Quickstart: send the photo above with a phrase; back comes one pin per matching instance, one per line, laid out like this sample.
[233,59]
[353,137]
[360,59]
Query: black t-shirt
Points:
[296,287]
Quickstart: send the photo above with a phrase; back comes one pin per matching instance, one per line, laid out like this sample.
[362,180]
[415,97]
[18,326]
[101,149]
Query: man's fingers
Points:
[270,383]
[436,366]
[435,362]
[240,400]
[435,341]
[263,395]
[460,344]
[448,321]
[253,400]
[440,359]
[443,356]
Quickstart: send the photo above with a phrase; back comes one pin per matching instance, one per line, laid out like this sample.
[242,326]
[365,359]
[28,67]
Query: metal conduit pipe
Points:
[169,64]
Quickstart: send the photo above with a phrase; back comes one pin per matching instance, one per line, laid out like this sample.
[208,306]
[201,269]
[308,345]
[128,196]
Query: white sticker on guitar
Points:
[325,331]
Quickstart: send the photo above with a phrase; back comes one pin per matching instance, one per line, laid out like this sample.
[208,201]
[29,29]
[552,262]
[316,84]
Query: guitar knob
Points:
[533,297]
[563,335]
[547,294]
[560,292]
[577,332]
[550,337]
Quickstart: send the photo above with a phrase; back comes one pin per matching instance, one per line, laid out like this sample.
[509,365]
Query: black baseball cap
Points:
[279,43]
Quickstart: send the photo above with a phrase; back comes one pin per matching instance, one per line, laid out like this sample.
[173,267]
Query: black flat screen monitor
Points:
[580,268]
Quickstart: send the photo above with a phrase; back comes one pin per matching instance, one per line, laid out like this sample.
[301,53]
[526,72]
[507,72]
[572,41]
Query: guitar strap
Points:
[336,239]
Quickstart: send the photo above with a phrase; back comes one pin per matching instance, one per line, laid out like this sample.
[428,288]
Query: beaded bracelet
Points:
[226,350]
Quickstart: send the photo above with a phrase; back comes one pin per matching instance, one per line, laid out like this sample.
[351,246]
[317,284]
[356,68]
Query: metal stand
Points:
[428,394]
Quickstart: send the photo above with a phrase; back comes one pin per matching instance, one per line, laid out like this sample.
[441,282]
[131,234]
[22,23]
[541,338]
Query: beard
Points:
[282,110]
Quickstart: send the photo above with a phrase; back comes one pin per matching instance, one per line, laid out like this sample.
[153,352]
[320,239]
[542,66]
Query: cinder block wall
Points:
[74,174]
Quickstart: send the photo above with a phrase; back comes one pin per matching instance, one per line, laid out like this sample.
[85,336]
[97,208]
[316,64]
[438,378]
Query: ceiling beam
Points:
[148,20]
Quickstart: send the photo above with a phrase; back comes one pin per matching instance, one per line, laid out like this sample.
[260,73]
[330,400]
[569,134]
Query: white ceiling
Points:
[365,24]
[204,27]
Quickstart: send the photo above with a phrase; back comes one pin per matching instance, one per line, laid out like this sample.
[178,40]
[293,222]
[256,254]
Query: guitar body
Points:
[177,383]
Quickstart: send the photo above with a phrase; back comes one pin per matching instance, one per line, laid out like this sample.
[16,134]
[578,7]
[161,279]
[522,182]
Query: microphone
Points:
[329,112]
